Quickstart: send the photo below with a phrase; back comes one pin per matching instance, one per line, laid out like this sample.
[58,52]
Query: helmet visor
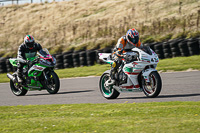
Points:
[29,44]
[134,40]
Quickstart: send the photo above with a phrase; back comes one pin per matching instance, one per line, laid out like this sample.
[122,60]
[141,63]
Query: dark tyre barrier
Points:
[3,68]
[174,47]
[68,60]
[91,57]
[159,50]
[199,44]
[9,66]
[66,53]
[83,58]
[66,65]
[59,61]
[183,48]
[167,50]
[76,61]
[59,65]
[107,50]
[193,46]
[151,45]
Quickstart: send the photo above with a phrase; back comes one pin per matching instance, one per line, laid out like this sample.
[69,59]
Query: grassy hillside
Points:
[81,24]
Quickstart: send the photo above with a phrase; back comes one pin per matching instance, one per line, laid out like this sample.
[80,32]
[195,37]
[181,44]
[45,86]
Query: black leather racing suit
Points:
[24,52]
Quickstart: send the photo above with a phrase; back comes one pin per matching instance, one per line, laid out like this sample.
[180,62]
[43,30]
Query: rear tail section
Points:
[106,57]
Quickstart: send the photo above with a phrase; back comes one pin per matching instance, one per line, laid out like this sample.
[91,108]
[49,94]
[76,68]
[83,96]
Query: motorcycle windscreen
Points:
[44,53]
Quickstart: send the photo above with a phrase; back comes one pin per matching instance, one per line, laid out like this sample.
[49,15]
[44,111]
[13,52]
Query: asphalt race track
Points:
[177,86]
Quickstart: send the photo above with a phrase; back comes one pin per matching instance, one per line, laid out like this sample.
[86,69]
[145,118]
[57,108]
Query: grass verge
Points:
[172,64]
[181,117]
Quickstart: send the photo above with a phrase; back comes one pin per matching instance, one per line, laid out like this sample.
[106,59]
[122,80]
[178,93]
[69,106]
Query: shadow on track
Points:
[60,93]
[164,96]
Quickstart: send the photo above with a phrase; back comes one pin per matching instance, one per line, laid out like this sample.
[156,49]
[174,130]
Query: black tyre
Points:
[107,92]
[16,90]
[91,55]
[66,65]
[153,88]
[166,45]
[59,65]
[59,57]
[152,45]
[167,55]
[174,49]
[166,51]
[107,50]
[175,54]
[53,85]
[76,61]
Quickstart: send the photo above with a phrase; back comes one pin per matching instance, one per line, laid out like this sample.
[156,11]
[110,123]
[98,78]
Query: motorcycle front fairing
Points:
[46,58]
[133,69]
[152,61]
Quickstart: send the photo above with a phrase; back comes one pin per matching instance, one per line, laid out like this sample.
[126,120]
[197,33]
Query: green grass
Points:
[165,117]
[174,64]
[95,70]
[180,63]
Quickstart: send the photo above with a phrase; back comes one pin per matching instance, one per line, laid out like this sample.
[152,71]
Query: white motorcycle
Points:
[136,74]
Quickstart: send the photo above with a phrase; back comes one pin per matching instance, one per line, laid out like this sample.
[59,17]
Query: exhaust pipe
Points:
[10,76]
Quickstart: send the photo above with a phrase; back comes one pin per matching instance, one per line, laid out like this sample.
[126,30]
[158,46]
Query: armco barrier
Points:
[173,48]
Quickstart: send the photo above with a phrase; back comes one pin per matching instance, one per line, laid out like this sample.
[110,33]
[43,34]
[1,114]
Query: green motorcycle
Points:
[37,75]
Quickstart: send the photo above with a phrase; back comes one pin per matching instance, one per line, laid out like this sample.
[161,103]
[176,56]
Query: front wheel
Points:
[53,84]
[152,88]
[16,89]
[107,91]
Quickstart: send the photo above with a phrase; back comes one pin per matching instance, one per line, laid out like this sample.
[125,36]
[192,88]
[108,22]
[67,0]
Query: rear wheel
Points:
[107,91]
[16,89]
[53,84]
[153,88]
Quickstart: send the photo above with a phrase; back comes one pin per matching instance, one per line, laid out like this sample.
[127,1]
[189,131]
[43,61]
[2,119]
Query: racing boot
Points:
[111,80]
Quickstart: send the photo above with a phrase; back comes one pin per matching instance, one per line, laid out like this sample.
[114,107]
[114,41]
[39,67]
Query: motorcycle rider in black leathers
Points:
[27,49]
